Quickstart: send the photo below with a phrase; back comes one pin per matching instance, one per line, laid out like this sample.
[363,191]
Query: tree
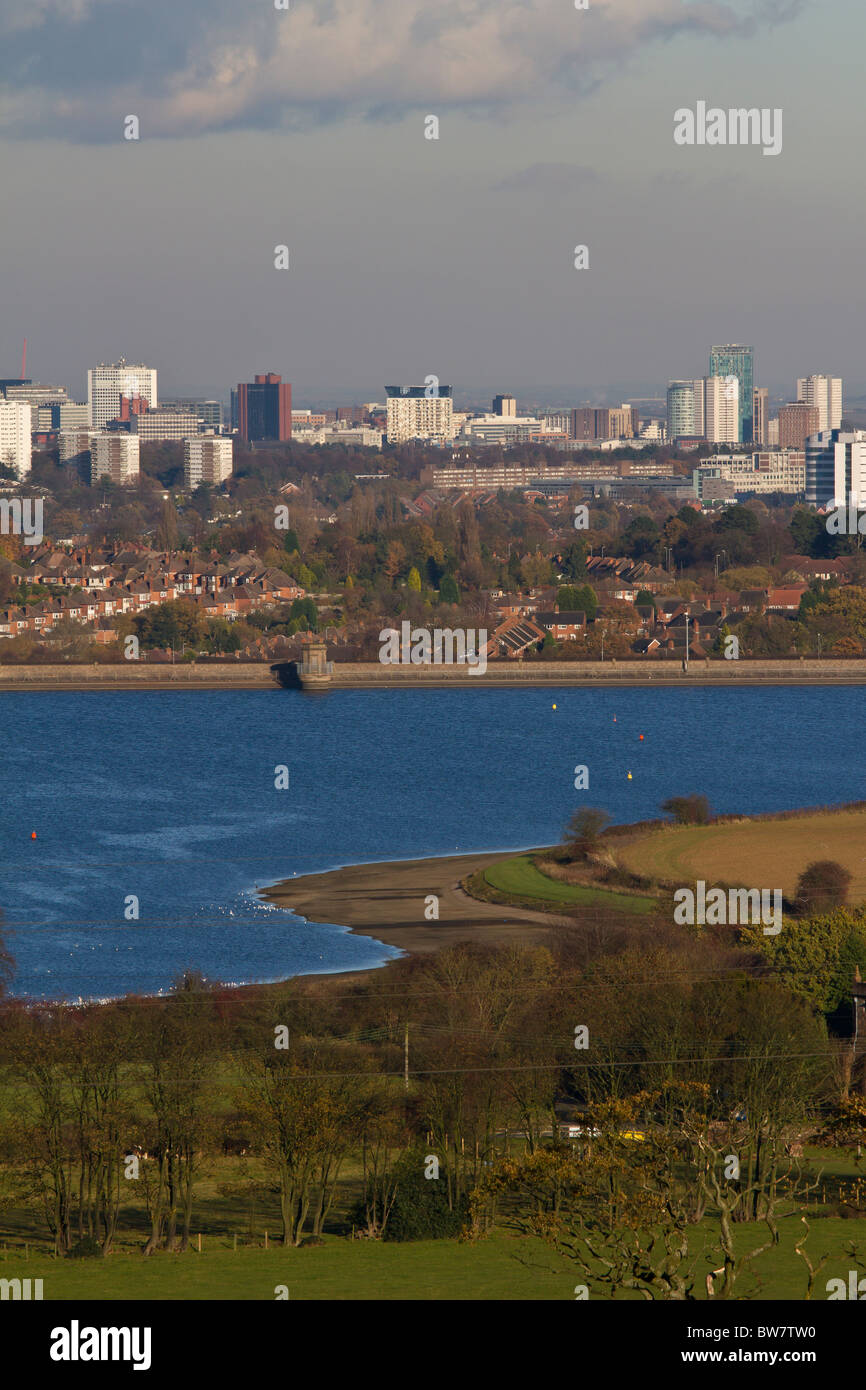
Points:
[574,561]
[809,533]
[641,537]
[166,531]
[420,1208]
[583,831]
[688,810]
[448,590]
[305,1115]
[382,1143]
[822,886]
[767,634]
[170,624]
[617,1208]
[414,580]
[221,637]
[767,1075]
[305,614]
[737,518]
[817,959]
[585,601]
[177,1048]
[747,577]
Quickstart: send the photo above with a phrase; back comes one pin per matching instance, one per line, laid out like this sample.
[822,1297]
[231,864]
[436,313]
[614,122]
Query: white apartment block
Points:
[114,458]
[836,468]
[15,442]
[207,459]
[109,381]
[721,402]
[412,414]
[156,425]
[825,393]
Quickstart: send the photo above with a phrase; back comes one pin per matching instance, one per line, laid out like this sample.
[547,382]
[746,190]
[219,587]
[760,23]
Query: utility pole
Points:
[686,663]
[406,1058]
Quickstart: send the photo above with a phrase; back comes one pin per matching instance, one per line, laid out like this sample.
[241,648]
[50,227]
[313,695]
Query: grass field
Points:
[759,853]
[519,878]
[499,1267]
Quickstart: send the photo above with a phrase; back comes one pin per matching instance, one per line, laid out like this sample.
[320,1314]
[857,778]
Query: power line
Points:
[602,1064]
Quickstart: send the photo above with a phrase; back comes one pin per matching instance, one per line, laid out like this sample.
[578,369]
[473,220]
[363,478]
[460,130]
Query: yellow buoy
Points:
[629,776]
[554,706]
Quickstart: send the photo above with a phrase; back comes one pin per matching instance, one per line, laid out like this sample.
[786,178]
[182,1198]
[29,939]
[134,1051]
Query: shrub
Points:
[421,1210]
[821,886]
[85,1249]
[583,830]
[688,810]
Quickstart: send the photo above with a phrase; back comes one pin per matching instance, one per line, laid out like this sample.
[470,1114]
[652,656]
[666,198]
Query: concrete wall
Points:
[258,676]
[131,674]
[648,672]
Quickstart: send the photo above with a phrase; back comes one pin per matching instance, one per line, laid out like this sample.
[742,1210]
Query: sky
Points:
[409,257]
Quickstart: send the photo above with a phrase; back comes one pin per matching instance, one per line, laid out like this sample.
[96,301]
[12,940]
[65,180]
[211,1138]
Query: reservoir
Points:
[178,805]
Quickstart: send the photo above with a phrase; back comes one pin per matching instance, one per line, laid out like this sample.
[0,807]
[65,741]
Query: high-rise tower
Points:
[733,359]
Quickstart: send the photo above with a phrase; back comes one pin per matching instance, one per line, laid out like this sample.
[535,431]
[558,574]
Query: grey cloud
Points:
[72,69]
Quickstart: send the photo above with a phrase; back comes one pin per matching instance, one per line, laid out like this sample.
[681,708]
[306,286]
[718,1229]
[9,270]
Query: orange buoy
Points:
[640,736]
[33,834]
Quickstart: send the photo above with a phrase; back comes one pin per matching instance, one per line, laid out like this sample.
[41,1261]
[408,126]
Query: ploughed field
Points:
[760,853]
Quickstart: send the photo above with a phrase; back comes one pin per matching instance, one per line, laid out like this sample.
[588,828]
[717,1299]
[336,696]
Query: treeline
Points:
[700,1041]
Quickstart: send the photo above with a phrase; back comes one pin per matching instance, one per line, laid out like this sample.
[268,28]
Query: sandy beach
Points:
[387,901]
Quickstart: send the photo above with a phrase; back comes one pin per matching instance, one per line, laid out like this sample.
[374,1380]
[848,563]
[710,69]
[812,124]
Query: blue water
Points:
[170,796]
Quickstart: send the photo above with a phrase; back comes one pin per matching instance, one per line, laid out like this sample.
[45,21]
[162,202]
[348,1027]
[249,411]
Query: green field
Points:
[499,1267]
[519,878]
[771,853]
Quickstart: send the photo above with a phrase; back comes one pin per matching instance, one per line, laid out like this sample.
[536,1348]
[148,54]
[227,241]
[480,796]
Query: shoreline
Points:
[387,902]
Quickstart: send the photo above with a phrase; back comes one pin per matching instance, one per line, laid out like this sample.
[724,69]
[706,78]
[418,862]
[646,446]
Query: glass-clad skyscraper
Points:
[734,360]
[683,420]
